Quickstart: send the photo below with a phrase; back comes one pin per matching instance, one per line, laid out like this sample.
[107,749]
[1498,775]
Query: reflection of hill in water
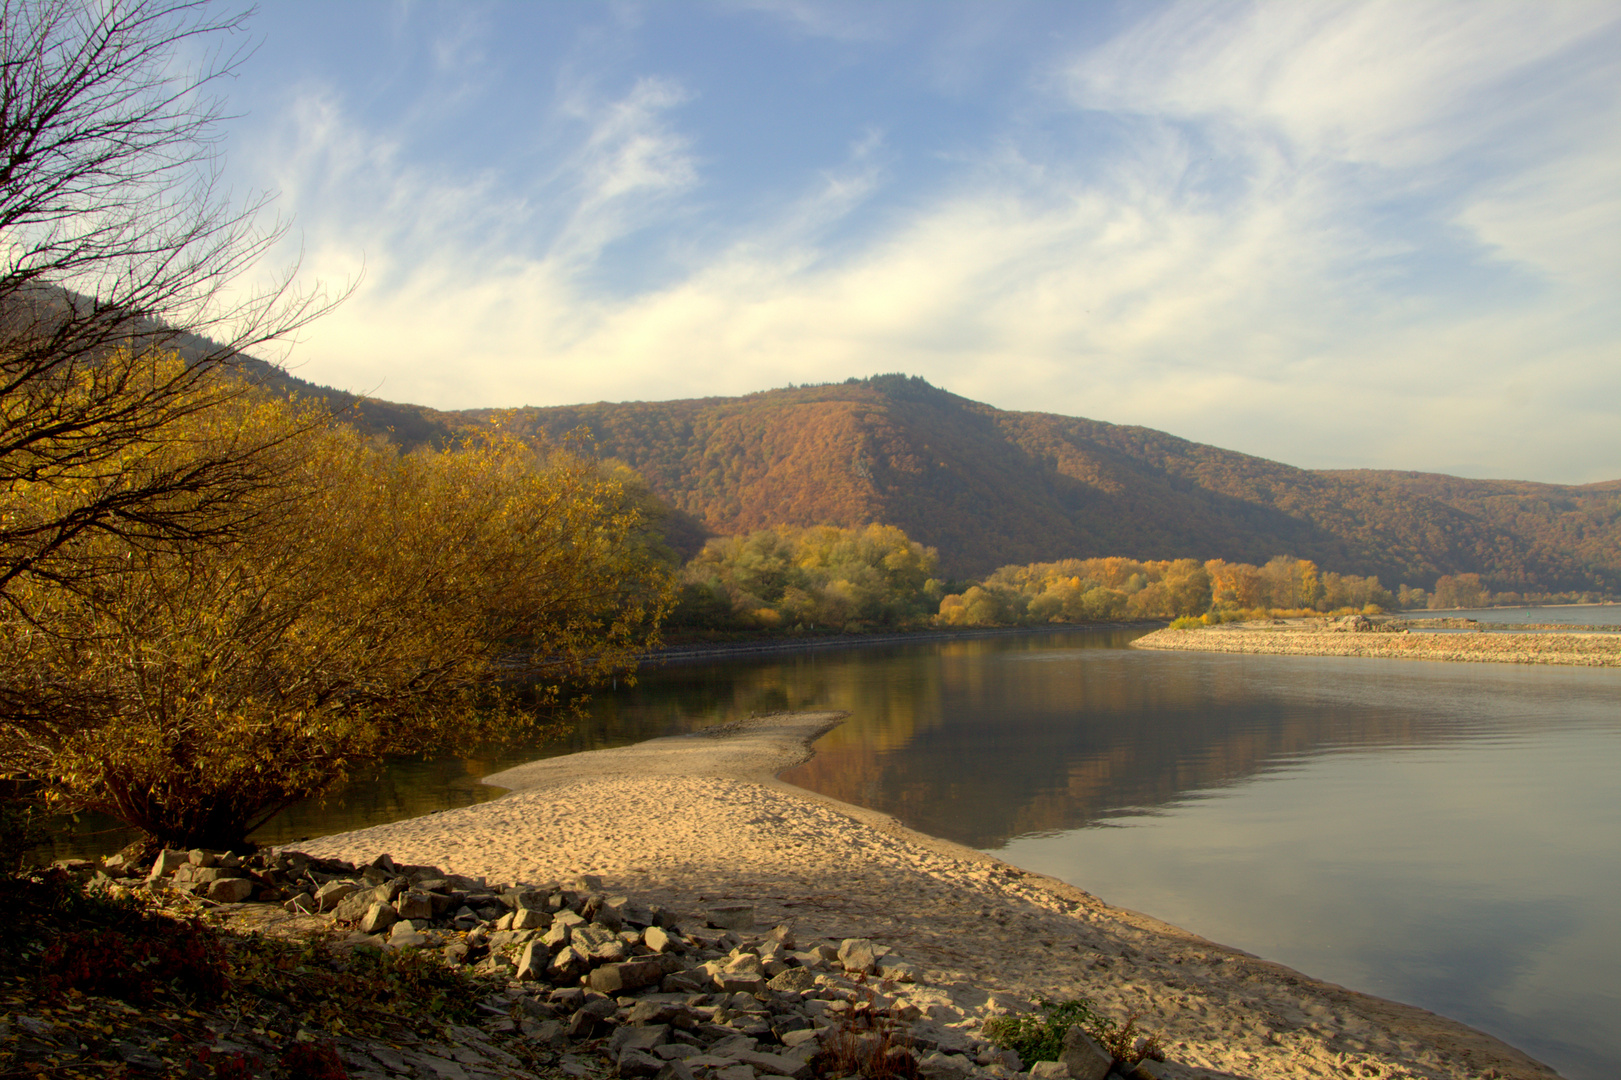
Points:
[1027,745]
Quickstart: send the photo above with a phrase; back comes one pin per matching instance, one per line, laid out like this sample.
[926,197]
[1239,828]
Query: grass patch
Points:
[1041,1037]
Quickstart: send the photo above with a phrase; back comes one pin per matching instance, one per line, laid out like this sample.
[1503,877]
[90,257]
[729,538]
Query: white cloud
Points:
[1230,269]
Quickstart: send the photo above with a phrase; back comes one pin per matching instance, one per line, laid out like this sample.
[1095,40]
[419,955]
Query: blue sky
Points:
[1339,235]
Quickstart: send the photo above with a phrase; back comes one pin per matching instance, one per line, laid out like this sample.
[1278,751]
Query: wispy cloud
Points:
[1370,234]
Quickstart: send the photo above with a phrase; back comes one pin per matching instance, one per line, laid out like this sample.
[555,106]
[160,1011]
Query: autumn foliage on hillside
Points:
[986,488]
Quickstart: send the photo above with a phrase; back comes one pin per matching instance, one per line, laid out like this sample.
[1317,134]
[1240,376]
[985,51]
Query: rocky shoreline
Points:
[588,982]
[1361,637]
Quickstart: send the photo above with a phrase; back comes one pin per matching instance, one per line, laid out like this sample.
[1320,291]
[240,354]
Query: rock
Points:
[739,982]
[890,967]
[938,1066]
[794,980]
[858,955]
[776,1064]
[1049,1070]
[1083,1058]
[333,893]
[230,890]
[637,1063]
[532,963]
[730,916]
[630,975]
[302,904]
[199,857]
[353,907]
[529,919]
[590,937]
[644,1039]
[167,862]
[414,905]
[675,1069]
[659,940]
[379,916]
[567,966]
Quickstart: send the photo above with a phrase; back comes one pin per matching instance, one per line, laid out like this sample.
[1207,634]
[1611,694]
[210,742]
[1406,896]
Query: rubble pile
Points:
[613,985]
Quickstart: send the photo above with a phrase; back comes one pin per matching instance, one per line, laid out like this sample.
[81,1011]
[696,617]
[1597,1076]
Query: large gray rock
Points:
[794,980]
[353,908]
[414,905]
[567,966]
[859,956]
[525,918]
[167,862]
[591,936]
[1049,1070]
[739,982]
[776,1064]
[637,1063]
[231,890]
[633,1037]
[378,917]
[333,893]
[532,962]
[1083,1057]
[659,940]
[630,975]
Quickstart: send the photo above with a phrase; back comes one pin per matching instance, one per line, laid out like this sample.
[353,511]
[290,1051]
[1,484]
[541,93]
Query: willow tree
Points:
[381,604]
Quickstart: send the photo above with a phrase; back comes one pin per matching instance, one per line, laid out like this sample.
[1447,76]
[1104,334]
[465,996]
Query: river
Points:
[1446,835]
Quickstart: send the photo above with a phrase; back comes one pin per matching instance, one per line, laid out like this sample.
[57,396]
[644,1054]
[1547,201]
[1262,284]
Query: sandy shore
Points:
[697,818]
[1580,650]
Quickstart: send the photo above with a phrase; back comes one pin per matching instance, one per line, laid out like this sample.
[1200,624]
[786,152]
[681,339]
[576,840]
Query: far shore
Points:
[704,650]
[1572,649]
[689,820]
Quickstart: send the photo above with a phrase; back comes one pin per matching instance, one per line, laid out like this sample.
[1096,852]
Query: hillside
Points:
[988,487]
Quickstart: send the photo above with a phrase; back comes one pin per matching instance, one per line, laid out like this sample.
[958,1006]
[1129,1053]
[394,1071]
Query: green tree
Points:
[200,688]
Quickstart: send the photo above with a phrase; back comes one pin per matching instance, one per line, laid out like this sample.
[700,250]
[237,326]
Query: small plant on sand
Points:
[1041,1038]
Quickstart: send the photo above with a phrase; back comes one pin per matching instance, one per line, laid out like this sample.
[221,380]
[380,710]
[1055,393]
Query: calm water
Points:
[1446,835]
[1571,615]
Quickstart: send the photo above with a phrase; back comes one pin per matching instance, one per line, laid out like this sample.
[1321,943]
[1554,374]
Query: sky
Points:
[1339,235]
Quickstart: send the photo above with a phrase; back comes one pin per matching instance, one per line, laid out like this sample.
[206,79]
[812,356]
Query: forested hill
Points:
[989,487]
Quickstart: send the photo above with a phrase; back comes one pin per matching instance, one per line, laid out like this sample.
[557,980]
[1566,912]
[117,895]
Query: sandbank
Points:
[692,819]
[1493,647]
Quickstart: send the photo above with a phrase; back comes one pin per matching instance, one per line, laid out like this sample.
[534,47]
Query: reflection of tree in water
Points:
[975,740]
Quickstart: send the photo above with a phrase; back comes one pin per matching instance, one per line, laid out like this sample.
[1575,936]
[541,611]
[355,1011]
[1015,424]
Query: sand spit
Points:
[693,819]
[1579,650]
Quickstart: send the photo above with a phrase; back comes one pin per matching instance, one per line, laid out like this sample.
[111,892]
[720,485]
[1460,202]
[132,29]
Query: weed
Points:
[1041,1038]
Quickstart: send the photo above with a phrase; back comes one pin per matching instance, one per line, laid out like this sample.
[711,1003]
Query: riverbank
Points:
[1578,650]
[679,652]
[693,820]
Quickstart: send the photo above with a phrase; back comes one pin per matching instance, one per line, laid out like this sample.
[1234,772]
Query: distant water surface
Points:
[1567,614]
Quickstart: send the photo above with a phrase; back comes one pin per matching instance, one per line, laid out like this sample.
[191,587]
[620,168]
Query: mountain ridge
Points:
[989,487]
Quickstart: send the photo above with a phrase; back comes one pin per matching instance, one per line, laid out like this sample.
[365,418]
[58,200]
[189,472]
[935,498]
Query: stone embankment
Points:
[602,984]
[1360,636]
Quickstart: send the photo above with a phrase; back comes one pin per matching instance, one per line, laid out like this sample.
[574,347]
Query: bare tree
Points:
[118,245]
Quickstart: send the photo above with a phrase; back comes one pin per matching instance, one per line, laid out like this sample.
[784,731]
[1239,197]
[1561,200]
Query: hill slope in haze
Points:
[989,487]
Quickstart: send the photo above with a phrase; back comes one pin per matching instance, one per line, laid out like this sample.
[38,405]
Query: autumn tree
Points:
[380,604]
[117,245]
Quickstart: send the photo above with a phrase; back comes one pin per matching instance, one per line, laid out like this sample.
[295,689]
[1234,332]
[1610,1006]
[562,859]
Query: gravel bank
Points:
[689,820]
[1580,650]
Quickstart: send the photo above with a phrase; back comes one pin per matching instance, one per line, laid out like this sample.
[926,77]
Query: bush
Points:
[1041,1038]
